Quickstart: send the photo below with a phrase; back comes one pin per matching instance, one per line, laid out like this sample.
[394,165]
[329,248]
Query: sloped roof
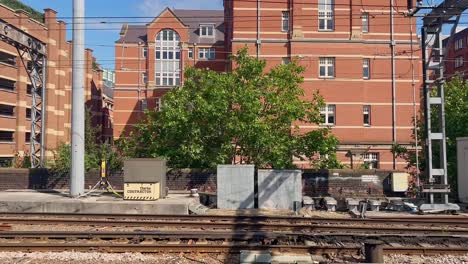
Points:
[193,19]
[134,34]
[190,18]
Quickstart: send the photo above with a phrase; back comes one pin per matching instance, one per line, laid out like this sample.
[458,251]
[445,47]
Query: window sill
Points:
[8,117]
[8,91]
[365,79]
[367,126]
[326,30]
[326,78]
[9,65]
[327,125]
[7,142]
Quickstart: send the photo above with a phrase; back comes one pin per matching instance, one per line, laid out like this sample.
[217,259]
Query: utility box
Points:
[400,182]
[141,176]
[235,187]
[142,191]
[462,160]
[279,189]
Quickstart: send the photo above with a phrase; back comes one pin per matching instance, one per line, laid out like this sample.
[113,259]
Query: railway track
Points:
[226,242]
[120,219]
[415,226]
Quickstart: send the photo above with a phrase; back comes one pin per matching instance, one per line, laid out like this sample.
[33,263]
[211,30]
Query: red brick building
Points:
[15,86]
[343,45]
[150,59]
[456,56]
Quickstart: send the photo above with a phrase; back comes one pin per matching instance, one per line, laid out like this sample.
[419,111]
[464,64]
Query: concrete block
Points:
[351,204]
[247,257]
[375,205]
[330,204]
[235,187]
[279,189]
[308,203]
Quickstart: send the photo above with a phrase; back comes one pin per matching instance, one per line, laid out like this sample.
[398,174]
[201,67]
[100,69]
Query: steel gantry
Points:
[433,55]
[33,55]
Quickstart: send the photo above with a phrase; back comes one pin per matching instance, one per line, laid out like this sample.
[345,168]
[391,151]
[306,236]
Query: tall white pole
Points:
[78,110]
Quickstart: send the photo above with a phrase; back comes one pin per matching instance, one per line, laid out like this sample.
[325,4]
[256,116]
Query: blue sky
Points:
[101,36]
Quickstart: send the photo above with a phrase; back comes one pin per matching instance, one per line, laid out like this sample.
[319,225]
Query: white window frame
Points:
[367,112]
[459,44]
[158,104]
[326,112]
[366,69]
[365,22]
[285,60]
[326,63]
[285,21]
[167,58]
[206,53]
[326,15]
[190,53]
[371,158]
[459,62]
[205,30]
[144,78]
[143,104]
[145,52]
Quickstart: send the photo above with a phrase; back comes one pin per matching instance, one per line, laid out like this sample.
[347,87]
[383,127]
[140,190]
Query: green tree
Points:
[456,125]
[95,151]
[249,115]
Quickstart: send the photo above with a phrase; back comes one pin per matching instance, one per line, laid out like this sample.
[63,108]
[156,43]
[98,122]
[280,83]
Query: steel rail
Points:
[451,220]
[255,226]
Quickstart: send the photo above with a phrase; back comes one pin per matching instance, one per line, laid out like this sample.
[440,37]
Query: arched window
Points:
[167,58]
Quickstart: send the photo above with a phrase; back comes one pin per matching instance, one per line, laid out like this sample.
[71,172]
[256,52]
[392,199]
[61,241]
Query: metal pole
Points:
[258,29]
[78,111]
[392,47]
[415,114]
[43,142]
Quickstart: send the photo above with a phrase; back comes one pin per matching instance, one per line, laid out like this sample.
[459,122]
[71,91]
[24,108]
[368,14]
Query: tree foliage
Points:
[249,115]
[95,151]
[456,125]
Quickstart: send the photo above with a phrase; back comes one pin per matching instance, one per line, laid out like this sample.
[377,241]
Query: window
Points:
[145,52]
[28,113]
[366,112]
[458,44]
[27,137]
[206,30]
[190,53]
[327,67]
[144,77]
[285,21]
[168,58]
[158,104]
[365,22]
[6,162]
[366,69]
[285,60]
[7,136]
[6,84]
[327,113]
[7,110]
[371,160]
[7,59]
[206,53]
[326,16]
[29,89]
[458,62]
[143,104]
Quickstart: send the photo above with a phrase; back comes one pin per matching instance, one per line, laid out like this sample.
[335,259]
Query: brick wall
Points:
[336,183]
[346,183]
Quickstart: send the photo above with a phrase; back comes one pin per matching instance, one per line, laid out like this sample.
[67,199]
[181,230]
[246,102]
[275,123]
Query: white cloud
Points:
[152,8]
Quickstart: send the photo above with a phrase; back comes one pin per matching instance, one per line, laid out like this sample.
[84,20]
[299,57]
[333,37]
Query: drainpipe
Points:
[392,47]
[258,29]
